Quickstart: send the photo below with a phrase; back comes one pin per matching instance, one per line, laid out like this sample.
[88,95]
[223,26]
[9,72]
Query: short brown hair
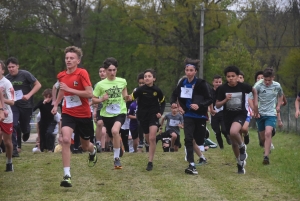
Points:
[47,93]
[74,49]
[2,65]
[193,62]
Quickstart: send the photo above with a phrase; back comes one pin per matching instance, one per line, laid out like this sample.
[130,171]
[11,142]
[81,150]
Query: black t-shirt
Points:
[23,81]
[236,105]
[150,100]
[45,110]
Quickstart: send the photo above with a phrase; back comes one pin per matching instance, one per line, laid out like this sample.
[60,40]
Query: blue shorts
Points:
[264,121]
[248,118]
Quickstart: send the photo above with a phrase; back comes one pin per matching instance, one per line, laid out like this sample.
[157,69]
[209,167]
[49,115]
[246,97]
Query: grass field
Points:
[37,176]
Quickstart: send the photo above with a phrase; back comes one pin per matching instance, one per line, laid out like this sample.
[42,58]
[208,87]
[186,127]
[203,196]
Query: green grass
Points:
[37,176]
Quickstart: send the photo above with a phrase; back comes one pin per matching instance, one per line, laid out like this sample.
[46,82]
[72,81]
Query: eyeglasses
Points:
[110,70]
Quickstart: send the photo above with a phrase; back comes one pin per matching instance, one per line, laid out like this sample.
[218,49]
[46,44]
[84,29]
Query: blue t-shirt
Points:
[132,111]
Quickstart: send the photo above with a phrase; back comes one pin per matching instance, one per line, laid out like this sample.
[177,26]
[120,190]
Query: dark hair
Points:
[150,71]
[269,72]
[47,92]
[12,60]
[257,74]
[217,77]
[194,62]
[110,61]
[2,65]
[101,67]
[233,69]
[140,76]
[242,74]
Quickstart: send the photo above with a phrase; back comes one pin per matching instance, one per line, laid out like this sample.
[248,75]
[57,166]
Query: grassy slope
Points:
[37,176]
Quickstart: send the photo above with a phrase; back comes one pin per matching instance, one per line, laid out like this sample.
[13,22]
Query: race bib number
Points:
[174,122]
[113,109]
[186,92]
[72,101]
[19,94]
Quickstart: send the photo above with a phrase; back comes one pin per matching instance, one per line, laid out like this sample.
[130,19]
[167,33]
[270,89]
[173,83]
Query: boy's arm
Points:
[279,103]
[297,113]
[255,103]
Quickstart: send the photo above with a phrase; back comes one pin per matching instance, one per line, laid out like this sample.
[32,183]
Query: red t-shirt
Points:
[74,105]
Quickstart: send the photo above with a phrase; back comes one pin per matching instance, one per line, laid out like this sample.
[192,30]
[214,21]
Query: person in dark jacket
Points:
[193,96]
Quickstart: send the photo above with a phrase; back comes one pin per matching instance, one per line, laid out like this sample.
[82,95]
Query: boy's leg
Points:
[7,139]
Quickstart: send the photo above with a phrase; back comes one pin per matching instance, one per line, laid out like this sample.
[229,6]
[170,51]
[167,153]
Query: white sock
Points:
[8,160]
[239,161]
[241,145]
[98,142]
[67,171]
[201,147]
[94,151]
[116,152]
[202,156]
[192,164]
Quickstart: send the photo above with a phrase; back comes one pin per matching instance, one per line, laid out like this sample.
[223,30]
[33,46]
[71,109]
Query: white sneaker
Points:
[36,150]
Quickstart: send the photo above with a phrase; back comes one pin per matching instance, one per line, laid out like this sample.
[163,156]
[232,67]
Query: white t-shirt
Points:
[8,93]
[57,118]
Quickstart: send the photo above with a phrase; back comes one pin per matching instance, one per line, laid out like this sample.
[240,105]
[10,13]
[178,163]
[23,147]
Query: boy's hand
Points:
[228,97]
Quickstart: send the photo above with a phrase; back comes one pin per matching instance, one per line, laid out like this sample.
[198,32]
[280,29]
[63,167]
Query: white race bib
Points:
[72,101]
[19,94]
[113,109]
[186,92]
[174,122]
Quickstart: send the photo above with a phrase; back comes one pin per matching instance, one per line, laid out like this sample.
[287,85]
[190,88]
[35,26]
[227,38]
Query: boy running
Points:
[270,97]
[111,92]
[231,96]
[76,89]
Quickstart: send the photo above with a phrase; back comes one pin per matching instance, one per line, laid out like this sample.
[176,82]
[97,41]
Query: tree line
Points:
[157,34]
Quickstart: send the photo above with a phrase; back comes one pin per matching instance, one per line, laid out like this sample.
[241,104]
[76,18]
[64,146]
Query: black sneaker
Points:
[191,170]
[66,182]
[266,160]
[92,158]
[9,167]
[117,163]
[201,162]
[147,147]
[228,140]
[77,151]
[246,139]
[15,153]
[1,151]
[25,136]
[172,150]
[149,166]
[241,168]
[243,153]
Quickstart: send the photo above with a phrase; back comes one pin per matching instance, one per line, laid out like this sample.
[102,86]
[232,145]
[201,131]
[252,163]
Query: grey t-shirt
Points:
[173,121]
[23,81]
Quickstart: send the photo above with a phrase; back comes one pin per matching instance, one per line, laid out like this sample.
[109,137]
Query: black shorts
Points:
[167,134]
[84,127]
[134,133]
[98,117]
[147,122]
[229,120]
[110,121]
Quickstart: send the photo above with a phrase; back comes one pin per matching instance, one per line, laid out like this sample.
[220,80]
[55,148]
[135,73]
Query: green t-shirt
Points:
[115,104]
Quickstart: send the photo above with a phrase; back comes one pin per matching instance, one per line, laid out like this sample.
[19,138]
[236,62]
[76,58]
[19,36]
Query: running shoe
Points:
[25,136]
[266,160]
[99,149]
[117,163]
[191,170]
[241,168]
[66,182]
[92,158]
[149,166]
[9,167]
[202,161]
[243,153]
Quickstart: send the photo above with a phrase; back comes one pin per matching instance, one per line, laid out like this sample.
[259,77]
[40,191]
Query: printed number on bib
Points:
[72,101]
[174,122]
[113,109]
[19,94]
[186,92]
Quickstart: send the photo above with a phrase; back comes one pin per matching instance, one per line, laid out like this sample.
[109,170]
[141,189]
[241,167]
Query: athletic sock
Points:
[67,171]
[8,160]
[116,152]
[241,145]
[98,143]
[201,147]
[203,157]
[93,153]
[192,164]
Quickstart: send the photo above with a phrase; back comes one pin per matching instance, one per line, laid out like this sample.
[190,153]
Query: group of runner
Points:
[231,105]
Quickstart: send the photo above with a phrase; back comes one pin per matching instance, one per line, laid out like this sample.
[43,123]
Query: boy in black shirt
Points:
[231,95]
